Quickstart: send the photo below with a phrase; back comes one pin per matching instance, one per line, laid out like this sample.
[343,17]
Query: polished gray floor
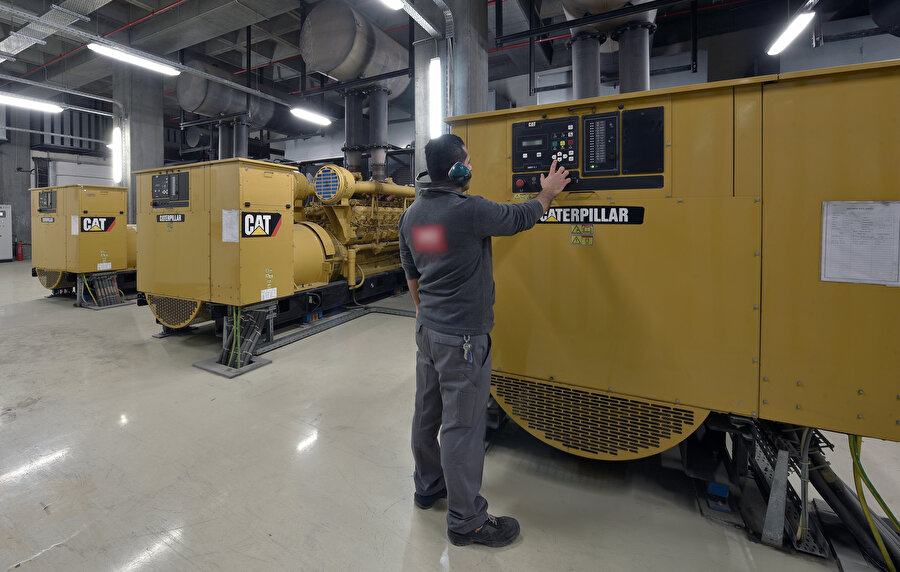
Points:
[116,454]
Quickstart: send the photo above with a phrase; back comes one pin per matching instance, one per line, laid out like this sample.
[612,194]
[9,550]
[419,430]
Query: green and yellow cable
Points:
[239,337]
[86,285]
[855,449]
[871,487]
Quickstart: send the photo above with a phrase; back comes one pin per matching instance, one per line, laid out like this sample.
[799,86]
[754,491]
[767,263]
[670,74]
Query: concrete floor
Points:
[116,454]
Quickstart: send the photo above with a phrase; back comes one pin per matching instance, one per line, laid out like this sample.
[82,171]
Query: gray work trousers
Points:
[452,396]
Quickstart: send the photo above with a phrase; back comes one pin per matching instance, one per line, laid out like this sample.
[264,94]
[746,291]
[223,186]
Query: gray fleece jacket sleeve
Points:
[497,219]
[406,258]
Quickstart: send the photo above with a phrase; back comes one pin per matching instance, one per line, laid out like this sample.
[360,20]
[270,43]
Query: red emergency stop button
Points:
[520,183]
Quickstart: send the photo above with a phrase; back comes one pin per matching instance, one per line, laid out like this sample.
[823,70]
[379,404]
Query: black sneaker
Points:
[427,501]
[495,532]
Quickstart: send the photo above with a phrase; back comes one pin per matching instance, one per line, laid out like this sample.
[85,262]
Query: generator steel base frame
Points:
[290,311]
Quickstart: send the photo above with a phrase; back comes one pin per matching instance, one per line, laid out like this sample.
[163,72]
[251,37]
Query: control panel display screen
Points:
[538,143]
[601,144]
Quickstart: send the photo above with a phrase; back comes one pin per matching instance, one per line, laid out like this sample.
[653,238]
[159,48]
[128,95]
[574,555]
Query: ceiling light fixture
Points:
[32,104]
[116,147]
[393,4]
[797,25]
[132,59]
[307,115]
[435,99]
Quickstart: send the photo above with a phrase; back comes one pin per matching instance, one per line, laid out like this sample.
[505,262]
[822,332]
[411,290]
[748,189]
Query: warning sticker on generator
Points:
[582,235]
[576,240]
[47,219]
[268,294]
[104,266]
[593,215]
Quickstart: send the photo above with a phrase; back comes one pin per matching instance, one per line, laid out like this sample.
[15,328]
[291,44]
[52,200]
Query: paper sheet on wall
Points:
[861,242]
[231,226]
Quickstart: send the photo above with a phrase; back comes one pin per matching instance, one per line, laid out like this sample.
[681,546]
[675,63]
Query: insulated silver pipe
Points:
[378,132]
[226,143]
[586,64]
[241,138]
[634,58]
[353,131]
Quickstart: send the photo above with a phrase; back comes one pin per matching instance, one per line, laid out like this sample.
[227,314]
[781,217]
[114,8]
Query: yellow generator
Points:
[726,253]
[81,242]
[254,244]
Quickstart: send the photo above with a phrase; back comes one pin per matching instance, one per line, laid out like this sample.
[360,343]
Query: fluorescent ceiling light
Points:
[132,59]
[797,25]
[116,146]
[310,116]
[435,111]
[33,104]
[393,4]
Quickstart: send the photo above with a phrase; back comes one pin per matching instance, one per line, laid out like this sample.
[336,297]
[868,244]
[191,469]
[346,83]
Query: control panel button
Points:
[520,183]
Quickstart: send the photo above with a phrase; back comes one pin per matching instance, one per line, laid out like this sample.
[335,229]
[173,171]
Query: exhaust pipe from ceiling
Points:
[378,132]
[337,41]
[631,36]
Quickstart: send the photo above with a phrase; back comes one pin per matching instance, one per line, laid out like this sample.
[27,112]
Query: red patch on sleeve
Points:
[429,239]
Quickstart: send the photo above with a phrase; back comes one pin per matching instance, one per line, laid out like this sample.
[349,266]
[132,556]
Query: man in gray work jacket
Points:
[445,248]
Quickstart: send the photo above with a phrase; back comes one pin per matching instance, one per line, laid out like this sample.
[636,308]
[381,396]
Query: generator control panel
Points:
[6,245]
[171,190]
[536,144]
[616,150]
[47,202]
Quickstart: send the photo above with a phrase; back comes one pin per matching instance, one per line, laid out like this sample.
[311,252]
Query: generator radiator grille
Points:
[53,279]
[591,423]
[327,183]
[174,312]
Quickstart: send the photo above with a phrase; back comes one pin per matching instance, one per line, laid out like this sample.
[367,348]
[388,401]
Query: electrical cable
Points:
[239,318]
[803,527]
[874,491]
[89,289]
[865,507]
[233,334]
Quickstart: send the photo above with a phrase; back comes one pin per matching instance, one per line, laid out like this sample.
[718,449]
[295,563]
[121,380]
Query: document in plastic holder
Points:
[861,242]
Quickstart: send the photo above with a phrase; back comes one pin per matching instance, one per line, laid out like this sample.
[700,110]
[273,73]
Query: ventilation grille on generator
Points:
[173,312]
[52,279]
[591,423]
[327,183]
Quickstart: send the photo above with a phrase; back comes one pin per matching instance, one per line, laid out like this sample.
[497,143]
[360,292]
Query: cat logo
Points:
[97,224]
[260,224]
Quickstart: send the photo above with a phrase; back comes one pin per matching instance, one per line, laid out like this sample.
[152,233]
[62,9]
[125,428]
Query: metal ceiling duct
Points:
[65,13]
[339,42]
[629,35]
[202,96]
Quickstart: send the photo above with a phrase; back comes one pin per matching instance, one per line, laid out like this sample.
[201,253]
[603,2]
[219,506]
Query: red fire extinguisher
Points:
[20,251]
